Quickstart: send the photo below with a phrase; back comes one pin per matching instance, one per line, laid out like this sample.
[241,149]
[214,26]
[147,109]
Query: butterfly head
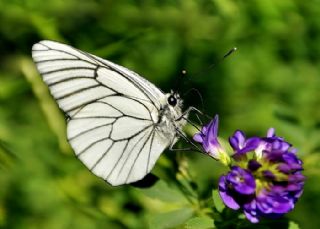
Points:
[173,99]
[171,112]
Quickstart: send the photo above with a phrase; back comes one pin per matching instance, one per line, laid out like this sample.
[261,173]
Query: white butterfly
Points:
[118,122]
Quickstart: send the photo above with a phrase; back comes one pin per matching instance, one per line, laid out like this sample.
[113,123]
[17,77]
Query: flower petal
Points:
[250,145]
[273,202]
[271,132]
[237,140]
[212,133]
[198,137]
[250,211]
[225,196]
[241,180]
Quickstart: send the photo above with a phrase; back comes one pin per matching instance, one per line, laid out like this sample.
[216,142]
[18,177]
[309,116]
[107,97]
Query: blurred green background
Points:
[272,80]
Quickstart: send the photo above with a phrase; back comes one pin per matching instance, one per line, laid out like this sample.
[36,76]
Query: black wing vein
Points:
[138,154]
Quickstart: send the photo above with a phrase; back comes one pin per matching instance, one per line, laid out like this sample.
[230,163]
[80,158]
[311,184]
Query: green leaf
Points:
[171,219]
[293,225]
[7,157]
[53,114]
[218,204]
[162,191]
[199,223]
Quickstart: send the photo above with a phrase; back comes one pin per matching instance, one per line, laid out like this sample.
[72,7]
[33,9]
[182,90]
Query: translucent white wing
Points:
[116,140]
[113,111]
[68,71]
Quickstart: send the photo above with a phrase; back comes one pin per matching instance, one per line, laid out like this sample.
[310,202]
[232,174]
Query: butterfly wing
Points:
[112,111]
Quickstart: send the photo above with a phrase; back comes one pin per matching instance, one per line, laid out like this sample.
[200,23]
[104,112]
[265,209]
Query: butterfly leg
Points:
[182,135]
[200,121]
[186,113]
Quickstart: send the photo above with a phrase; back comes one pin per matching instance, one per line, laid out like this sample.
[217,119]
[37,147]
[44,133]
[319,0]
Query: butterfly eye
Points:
[172,100]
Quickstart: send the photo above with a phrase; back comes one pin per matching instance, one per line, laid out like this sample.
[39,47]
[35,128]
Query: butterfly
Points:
[118,123]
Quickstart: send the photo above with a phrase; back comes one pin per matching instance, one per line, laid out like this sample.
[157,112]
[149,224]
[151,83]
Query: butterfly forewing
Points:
[112,111]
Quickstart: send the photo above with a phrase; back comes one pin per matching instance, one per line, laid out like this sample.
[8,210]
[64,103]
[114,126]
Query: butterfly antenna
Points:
[187,79]
[179,83]
[198,93]
[230,52]
[218,62]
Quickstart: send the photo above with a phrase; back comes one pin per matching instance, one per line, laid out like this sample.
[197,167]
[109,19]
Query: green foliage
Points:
[272,80]
[293,225]
[218,204]
[199,223]
[170,219]
[161,191]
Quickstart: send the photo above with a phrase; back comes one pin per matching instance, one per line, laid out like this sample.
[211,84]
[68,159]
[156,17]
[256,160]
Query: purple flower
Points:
[265,179]
[208,137]
[238,183]
[241,145]
[241,180]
